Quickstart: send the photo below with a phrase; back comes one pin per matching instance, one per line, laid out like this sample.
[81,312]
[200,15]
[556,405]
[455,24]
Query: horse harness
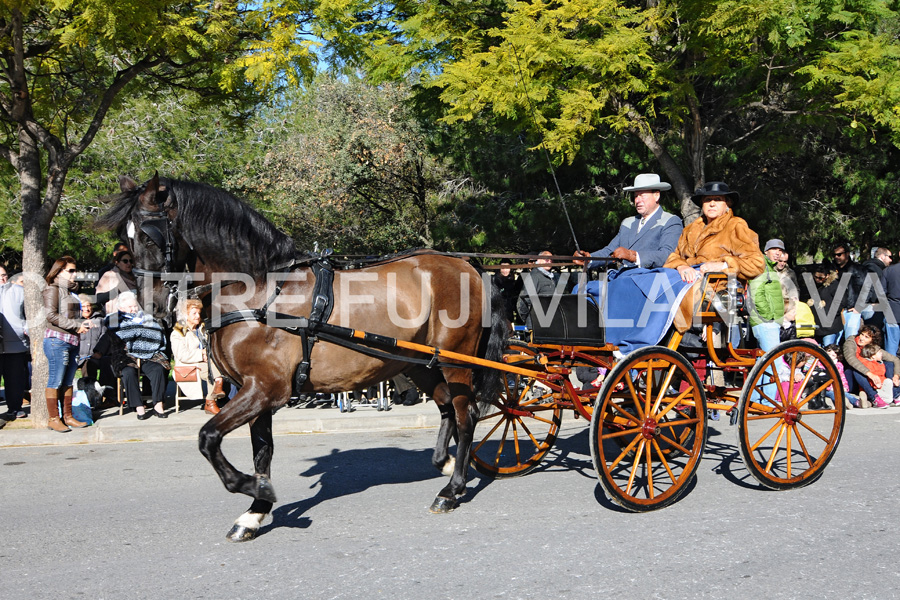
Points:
[157,226]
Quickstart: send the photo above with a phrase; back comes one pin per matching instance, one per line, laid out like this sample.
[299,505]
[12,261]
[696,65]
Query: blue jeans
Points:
[865,385]
[852,320]
[767,335]
[891,338]
[853,398]
[63,362]
[832,338]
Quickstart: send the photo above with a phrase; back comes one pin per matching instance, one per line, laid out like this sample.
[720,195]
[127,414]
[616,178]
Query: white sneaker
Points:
[864,401]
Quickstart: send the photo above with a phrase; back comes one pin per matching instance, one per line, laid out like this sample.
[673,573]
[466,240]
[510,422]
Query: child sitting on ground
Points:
[834,352]
[873,358]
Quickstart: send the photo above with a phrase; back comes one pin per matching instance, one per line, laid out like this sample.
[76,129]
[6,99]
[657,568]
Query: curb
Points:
[112,428]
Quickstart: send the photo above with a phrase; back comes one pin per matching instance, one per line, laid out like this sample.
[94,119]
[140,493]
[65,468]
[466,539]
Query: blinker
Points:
[153,228]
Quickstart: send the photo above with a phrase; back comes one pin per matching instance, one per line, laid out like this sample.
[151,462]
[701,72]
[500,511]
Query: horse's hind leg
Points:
[247,525]
[433,384]
[460,389]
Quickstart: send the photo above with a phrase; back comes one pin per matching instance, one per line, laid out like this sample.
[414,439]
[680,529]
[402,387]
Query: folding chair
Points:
[188,385]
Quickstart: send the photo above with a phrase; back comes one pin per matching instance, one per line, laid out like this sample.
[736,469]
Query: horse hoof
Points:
[239,533]
[443,505]
[265,490]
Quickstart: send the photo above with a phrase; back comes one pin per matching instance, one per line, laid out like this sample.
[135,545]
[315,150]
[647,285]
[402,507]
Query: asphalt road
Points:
[148,520]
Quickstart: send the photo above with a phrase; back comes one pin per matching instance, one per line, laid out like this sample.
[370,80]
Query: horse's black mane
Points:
[218,225]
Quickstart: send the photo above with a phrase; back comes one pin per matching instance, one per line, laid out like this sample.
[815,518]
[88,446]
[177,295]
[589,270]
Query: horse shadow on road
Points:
[346,472]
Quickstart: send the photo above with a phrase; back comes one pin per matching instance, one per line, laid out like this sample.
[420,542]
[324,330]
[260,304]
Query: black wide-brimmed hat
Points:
[713,188]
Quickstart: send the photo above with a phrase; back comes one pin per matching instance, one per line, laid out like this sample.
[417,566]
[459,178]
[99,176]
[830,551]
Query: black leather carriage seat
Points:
[564,326]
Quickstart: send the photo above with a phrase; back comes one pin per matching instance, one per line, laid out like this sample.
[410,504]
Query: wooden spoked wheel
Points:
[513,437]
[784,441]
[648,429]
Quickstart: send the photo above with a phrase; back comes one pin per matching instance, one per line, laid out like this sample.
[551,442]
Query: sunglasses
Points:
[70,270]
[125,261]
[836,254]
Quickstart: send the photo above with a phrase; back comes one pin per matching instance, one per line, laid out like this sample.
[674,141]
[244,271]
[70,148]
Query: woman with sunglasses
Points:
[117,280]
[61,340]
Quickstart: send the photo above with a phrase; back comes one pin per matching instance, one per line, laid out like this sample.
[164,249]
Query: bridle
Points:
[157,226]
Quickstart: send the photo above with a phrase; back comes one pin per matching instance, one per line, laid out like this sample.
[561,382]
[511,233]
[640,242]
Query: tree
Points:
[676,75]
[347,166]
[65,63]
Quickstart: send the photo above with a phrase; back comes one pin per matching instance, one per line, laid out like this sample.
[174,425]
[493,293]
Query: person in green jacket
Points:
[767,301]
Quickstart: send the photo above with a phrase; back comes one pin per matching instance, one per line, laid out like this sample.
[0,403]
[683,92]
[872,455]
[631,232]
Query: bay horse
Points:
[177,227]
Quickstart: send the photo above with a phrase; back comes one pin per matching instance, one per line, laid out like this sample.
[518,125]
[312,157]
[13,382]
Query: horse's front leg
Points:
[464,425]
[247,525]
[246,405]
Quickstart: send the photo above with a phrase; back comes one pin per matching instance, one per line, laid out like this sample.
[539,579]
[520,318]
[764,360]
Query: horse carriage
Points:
[282,323]
[649,417]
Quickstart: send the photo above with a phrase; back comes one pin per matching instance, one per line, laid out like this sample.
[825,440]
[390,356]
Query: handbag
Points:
[184,373]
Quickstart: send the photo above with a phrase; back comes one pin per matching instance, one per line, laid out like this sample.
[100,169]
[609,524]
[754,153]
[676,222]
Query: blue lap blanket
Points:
[640,305]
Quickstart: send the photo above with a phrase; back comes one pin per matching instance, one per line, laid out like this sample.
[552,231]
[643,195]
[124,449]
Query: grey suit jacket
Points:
[655,241]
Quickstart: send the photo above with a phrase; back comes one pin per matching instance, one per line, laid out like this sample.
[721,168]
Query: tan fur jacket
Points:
[727,238]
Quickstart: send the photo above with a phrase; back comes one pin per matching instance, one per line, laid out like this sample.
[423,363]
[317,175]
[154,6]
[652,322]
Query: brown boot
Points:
[210,407]
[217,391]
[68,419]
[53,410]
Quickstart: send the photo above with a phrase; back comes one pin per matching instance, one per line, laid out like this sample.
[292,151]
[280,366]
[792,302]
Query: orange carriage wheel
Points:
[786,437]
[519,428]
[649,429]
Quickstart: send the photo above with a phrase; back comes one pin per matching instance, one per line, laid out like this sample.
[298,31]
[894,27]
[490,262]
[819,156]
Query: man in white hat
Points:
[647,239]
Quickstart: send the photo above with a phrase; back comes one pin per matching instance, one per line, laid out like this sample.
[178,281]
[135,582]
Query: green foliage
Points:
[347,167]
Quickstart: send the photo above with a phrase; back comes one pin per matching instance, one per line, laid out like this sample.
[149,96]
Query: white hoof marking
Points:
[449,466]
[250,520]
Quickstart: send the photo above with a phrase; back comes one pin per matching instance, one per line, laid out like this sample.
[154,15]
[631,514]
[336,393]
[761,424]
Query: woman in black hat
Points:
[718,241]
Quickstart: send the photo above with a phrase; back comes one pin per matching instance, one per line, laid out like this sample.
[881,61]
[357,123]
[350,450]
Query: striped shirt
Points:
[69,338]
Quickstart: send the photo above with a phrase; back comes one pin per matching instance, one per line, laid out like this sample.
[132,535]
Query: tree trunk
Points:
[36,218]
[680,186]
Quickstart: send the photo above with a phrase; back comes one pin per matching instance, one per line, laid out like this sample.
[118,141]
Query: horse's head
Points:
[146,217]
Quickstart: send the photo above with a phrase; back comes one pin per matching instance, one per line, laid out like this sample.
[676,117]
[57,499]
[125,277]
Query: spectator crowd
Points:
[849,306]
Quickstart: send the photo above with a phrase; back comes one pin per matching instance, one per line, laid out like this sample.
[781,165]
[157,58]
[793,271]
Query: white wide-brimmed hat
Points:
[648,181]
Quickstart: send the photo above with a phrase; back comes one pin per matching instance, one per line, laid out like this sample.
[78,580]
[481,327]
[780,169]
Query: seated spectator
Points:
[850,399]
[538,281]
[117,280]
[189,343]
[90,366]
[133,336]
[510,285]
[876,372]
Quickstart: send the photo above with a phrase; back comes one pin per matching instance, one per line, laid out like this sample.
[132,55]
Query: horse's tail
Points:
[488,383]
